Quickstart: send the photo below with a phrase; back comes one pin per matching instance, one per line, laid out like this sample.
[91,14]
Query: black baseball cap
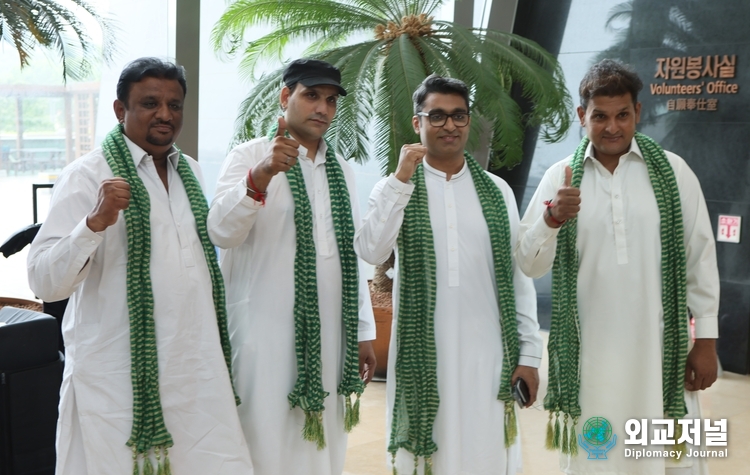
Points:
[313,72]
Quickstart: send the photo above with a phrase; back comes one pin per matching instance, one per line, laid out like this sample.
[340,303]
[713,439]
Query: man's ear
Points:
[581,115]
[415,123]
[119,108]
[284,97]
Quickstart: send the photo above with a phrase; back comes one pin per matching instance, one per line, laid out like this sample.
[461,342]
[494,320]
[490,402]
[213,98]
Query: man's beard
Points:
[155,140]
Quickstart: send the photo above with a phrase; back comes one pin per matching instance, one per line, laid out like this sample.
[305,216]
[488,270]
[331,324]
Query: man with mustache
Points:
[147,385]
[299,314]
[465,327]
[624,227]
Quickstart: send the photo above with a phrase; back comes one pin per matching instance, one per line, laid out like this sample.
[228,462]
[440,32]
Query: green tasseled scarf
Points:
[417,399]
[308,391]
[565,335]
[149,431]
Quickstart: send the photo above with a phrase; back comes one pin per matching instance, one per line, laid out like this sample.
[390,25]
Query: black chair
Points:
[30,377]
[14,244]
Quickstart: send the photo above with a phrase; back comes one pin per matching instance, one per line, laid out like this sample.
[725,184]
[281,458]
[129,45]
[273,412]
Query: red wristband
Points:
[549,213]
[259,195]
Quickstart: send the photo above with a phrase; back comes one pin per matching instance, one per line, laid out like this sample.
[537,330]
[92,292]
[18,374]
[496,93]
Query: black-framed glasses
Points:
[438,119]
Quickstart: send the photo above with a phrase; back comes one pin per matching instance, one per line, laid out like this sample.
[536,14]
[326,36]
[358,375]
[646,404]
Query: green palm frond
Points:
[55,25]
[621,11]
[292,20]
[359,66]
[403,44]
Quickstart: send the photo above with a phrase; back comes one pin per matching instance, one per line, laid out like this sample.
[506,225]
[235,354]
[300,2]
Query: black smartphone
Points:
[521,392]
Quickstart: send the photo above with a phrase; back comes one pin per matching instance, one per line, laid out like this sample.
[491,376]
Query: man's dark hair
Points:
[609,78]
[142,68]
[438,84]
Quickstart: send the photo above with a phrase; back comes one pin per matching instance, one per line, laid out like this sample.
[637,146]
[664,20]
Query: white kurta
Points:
[619,293]
[258,267]
[96,406]
[469,426]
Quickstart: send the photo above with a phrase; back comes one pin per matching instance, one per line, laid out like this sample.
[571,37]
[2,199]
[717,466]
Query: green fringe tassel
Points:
[313,430]
[159,463]
[351,414]
[148,468]
[135,461]
[681,446]
[573,439]
[393,463]
[556,440]
[511,428]
[348,423]
[549,442]
[565,442]
[355,413]
[416,465]
[167,465]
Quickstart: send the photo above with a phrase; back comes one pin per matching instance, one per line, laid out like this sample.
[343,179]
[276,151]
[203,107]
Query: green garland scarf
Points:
[308,391]
[565,334]
[149,431]
[417,399]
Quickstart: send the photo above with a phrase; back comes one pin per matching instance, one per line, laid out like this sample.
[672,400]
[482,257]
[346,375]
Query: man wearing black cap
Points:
[300,317]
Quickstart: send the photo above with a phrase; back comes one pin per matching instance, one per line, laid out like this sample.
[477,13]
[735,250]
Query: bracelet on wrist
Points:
[259,196]
[551,217]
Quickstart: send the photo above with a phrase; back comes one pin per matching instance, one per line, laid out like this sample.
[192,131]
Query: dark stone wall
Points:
[714,143]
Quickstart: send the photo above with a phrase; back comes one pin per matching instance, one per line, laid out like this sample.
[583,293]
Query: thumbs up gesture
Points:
[280,156]
[282,152]
[567,202]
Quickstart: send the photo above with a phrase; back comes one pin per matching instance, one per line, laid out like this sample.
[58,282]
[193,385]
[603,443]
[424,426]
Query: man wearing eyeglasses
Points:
[465,327]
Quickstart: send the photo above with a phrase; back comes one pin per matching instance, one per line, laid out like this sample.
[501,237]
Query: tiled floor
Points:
[728,398]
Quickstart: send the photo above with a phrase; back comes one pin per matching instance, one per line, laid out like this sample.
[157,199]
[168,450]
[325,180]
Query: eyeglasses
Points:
[438,119]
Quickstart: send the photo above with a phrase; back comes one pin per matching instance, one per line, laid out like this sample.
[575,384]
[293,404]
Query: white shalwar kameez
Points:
[469,426]
[619,297]
[258,267]
[96,405]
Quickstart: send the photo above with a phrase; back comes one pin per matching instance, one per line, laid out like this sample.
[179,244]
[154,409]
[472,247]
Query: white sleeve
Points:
[366,330]
[530,341]
[60,256]
[378,233]
[537,242]
[233,213]
[703,286]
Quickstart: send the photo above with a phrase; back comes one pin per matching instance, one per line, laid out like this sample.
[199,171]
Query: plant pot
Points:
[383,318]
[20,303]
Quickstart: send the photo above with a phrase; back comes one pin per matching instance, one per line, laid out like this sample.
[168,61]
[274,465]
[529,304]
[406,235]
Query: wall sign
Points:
[729,228]
[698,75]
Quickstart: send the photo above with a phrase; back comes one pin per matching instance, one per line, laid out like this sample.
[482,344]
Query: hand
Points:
[566,204]
[367,361]
[531,376]
[411,156]
[114,196]
[281,155]
[702,365]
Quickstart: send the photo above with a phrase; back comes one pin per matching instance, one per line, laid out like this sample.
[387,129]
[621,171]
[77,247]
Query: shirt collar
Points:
[430,169]
[139,154]
[320,156]
[634,151]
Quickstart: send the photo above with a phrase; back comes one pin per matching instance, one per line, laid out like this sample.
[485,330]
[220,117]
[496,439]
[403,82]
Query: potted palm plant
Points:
[384,49]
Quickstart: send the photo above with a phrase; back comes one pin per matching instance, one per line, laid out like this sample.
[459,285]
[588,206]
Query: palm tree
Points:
[52,24]
[403,44]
